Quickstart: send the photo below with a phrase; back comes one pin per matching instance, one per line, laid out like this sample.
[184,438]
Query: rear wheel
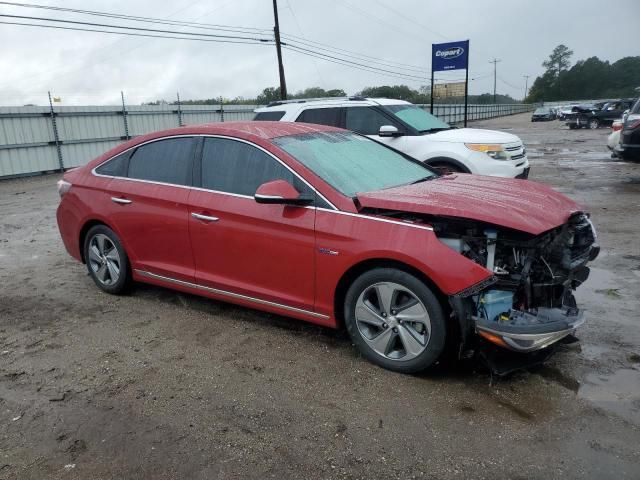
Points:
[594,123]
[395,320]
[106,259]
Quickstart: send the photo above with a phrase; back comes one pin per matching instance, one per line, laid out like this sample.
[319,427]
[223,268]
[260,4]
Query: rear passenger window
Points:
[366,120]
[269,116]
[321,116]
[236,167]
[116,167]
[167,161]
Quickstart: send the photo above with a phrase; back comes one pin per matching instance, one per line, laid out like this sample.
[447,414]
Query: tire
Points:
[107,262]
[374,318]
[444,168]
[572,126]
[594,123]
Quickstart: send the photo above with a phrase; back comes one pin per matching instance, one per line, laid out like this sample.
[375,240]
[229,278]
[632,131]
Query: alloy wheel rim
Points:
[393,321]
[104,259]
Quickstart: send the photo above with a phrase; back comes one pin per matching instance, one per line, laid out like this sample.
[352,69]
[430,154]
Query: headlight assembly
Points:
[494,151]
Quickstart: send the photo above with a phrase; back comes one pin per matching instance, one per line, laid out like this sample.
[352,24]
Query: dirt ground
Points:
[162,385]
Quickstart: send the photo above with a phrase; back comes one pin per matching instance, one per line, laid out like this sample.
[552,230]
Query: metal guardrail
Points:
[44,139]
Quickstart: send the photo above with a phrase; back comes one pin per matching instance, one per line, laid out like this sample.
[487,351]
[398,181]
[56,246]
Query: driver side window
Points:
[366,120]
[236,167]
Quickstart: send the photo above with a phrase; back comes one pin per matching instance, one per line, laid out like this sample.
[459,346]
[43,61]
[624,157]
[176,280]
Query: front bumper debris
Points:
[528,332]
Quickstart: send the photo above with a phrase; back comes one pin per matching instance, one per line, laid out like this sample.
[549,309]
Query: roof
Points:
[248,130]
[298,103]
[244,129]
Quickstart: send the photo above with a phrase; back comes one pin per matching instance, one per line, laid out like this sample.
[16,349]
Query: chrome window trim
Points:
[93,171]
[218,291]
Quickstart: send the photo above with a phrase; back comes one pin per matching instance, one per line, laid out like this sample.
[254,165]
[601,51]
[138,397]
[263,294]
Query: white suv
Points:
[411,130]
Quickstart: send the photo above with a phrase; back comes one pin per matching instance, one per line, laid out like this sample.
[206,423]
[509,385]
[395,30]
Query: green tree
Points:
[558,60]
[269,94]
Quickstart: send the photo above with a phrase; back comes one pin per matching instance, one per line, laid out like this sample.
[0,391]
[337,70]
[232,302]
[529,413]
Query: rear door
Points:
[149,207]
[262,251]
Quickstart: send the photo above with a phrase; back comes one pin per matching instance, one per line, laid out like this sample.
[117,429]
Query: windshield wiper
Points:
[434,130]
[424,179]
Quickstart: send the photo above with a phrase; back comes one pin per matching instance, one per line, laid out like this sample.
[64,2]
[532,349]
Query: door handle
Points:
[205,218]
[122,201]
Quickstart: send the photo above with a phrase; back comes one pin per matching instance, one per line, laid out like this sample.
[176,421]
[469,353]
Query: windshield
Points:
[541,110]
[351,163]
[417,118]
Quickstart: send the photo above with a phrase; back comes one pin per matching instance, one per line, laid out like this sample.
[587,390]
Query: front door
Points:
[243,247]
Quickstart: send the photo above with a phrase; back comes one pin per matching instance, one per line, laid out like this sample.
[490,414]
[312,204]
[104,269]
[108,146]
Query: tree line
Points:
[400,92]
[587,79]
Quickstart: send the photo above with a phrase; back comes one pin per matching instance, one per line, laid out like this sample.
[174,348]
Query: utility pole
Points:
[526,84]
[276,32]
[494,61]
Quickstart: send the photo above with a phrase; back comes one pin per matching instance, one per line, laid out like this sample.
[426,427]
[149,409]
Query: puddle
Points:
[618,393]
[593,352]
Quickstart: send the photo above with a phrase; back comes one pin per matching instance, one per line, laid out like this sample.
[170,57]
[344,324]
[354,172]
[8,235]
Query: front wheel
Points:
[445,168]
[395,320]
[106,259]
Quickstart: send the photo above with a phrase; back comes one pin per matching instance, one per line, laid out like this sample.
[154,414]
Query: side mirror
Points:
[389,131]
[280,192]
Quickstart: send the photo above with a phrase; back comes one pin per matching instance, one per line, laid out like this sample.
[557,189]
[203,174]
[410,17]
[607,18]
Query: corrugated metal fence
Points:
[42,139]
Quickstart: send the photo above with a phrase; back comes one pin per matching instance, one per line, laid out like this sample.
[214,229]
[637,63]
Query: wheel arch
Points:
[448,160]
[88,225]
[363,266]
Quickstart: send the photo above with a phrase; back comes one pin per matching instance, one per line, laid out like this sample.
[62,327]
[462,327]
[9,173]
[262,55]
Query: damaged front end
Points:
[528,304]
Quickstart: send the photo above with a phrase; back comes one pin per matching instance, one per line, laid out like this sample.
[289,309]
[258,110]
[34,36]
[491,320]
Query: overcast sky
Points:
[92,68]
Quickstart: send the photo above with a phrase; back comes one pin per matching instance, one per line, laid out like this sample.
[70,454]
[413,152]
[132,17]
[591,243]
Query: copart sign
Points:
[450,56]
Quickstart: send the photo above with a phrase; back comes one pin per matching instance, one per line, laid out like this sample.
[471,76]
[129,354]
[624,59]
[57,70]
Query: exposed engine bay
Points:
[528,304]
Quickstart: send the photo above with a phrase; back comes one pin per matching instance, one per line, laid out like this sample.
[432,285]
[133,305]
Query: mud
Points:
[160,384]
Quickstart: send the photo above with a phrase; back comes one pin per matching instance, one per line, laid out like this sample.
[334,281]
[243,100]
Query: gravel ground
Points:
[160,384]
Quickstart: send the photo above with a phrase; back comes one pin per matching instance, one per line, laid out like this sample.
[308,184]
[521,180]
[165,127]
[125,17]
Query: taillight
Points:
[63,187]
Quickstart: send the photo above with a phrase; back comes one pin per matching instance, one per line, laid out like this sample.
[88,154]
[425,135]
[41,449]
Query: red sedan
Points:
[328,226]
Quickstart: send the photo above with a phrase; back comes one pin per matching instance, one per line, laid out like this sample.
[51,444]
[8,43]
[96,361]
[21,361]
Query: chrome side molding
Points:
[226,293]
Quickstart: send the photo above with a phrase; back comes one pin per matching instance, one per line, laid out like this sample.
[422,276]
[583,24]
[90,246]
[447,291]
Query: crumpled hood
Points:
[473,135]
[517,204]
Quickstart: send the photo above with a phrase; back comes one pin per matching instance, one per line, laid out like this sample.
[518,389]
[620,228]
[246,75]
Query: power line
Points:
[153,30]
[171,37]
[354,55]
[134,18]
[355,63]
[118,54]
[348,63]
[401,15]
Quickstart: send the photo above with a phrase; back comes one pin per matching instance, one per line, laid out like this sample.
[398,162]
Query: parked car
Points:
[594,117]
[411,130]
[563,111]
[543,114]
[629,145]
[328,226]
[613,140]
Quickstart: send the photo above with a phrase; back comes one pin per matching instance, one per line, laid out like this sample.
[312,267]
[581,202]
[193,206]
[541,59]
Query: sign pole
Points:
[431,96]
[466,87]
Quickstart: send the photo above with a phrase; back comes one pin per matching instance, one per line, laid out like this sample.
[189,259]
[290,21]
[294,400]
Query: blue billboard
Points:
[450,56]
